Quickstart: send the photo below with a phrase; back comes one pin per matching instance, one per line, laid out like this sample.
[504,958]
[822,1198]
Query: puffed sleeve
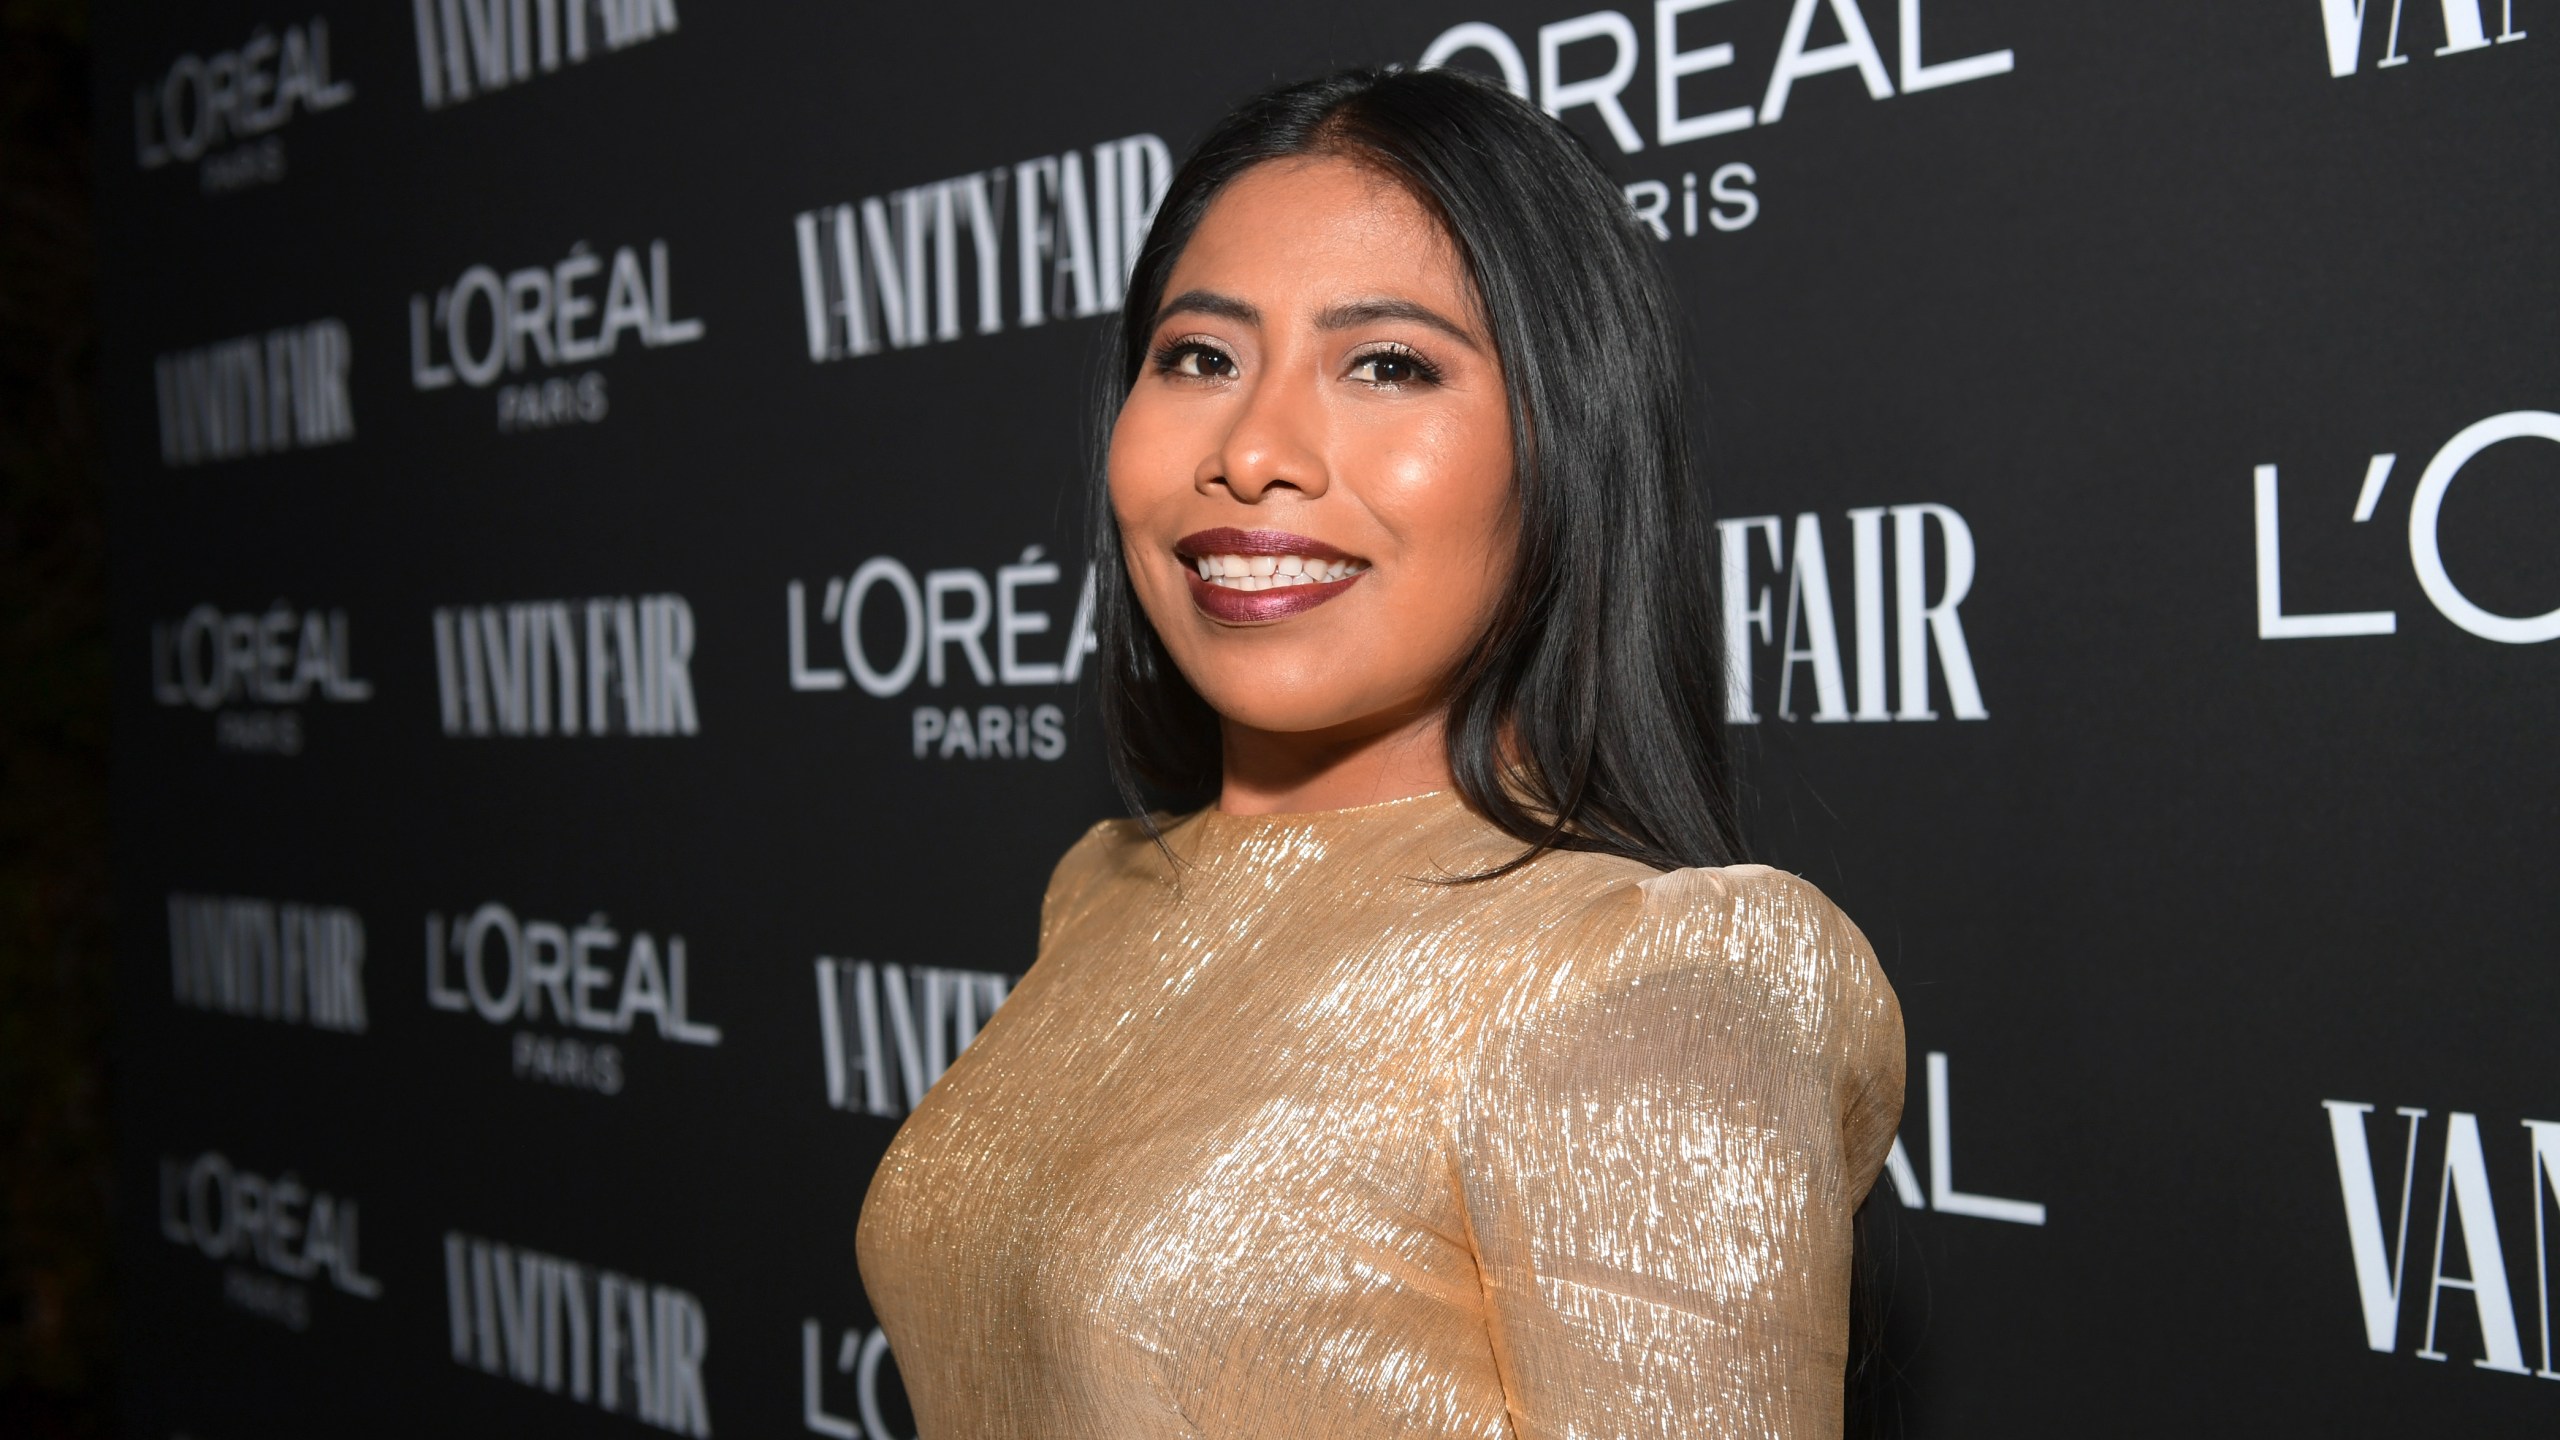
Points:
[1659,1149]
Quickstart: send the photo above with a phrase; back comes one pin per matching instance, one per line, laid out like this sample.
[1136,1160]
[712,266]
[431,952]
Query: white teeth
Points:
[1265,572]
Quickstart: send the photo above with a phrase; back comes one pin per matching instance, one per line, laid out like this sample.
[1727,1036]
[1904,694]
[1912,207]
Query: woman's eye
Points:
[1196,362]
[1392,368]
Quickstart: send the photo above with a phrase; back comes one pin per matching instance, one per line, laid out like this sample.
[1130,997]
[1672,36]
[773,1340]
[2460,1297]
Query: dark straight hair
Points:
[1586,716]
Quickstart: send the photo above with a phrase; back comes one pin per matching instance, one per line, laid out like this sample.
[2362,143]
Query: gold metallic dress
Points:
[1291,1141]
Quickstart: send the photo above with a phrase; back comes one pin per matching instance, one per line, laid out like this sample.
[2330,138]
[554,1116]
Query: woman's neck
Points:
[1271,773]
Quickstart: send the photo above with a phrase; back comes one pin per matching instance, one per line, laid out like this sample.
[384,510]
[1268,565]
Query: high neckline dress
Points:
[1288,1137]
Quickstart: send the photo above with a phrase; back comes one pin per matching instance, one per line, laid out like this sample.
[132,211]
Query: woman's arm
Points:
[1660,1153]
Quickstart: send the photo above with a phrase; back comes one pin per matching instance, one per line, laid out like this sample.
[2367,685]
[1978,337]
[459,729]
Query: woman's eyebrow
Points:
[1208,302]
[1353,313]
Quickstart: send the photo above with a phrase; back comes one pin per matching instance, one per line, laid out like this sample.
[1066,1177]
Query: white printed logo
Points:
[889,1031]
[2463,1197]
[485,326]
[2426,557]
[256,395]
[1922,626]
[588,979]
[863,1355]
[621,665]
[206,102]
[1731,202]
[1683,68]
[268,960]
[1675,122]
[888,272]
[2465,29]
[1942,1195]
[216,661]
[625,1346]
[273,1235]
[467,46]
[919,630]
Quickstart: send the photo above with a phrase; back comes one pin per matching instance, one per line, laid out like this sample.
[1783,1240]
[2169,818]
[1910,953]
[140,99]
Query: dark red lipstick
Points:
[1248,607]
[1226,540]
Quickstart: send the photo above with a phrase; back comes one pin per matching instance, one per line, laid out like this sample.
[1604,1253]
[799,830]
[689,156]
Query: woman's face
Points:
[1320,427]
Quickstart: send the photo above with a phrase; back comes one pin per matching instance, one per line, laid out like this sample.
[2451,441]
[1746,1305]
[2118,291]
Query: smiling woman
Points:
[1445,1074]
[1503,335]
[1320,392]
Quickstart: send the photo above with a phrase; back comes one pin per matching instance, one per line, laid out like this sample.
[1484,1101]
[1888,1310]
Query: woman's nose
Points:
[1276,439]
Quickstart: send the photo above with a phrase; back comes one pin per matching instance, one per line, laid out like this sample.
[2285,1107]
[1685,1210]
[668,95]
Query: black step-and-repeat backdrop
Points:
[601,621]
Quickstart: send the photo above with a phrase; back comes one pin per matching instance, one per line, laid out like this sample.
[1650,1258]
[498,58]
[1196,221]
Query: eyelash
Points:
[1167,360]
[1424,372]
[1167,357]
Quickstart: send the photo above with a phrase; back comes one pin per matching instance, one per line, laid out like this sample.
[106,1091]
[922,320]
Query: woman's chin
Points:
[1256,709]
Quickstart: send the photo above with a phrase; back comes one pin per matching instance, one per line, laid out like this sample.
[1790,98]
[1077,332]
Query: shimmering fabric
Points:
[1290,1141]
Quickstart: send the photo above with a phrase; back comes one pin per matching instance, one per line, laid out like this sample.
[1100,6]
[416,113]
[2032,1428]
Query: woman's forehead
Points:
[1319,228]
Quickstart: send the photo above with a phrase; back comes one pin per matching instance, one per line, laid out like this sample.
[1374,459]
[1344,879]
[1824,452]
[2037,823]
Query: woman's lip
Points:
[1227,541]
[1248,607]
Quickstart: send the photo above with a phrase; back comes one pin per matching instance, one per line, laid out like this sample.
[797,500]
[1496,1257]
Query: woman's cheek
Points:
[1140,488]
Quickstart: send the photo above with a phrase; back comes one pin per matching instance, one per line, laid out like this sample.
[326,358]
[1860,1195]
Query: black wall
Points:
[2054,363]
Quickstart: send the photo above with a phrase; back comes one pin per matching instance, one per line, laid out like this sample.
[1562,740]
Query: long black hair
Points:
[1586,716]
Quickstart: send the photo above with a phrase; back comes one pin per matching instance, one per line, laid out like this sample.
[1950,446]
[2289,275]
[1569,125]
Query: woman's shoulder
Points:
[1105,846]
[1741,894]
[1615,889]
[1111,835]
[1771,940]
[1737,990]
[1114,847]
